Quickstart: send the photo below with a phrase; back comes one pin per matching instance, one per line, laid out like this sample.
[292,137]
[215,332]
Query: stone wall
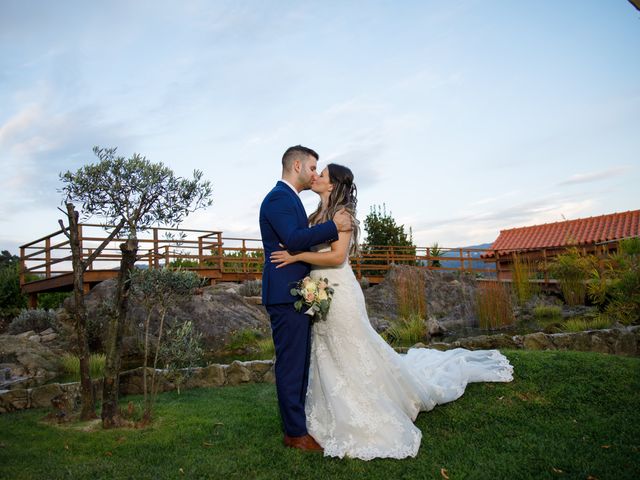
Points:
[131,383]
[623,341]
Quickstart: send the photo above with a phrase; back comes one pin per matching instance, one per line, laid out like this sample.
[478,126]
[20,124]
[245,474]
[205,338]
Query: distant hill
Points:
[475,263]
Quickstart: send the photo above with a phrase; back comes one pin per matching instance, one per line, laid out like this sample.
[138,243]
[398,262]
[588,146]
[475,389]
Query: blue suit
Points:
[283,220]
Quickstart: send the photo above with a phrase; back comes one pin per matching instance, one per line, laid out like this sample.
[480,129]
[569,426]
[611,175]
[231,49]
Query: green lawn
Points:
[566,415]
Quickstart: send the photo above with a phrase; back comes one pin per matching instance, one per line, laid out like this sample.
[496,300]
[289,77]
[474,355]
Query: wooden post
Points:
[90,266]
[80,239]
[461,260]
[200,252]
[156,248]
[86,288]
[544,262]
[23,265]
[33,301]
[244,256]
[167,259]
[220,261]
[47,257]
[497,265]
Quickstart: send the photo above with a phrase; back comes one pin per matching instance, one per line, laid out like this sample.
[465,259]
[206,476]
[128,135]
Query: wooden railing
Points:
[215,256]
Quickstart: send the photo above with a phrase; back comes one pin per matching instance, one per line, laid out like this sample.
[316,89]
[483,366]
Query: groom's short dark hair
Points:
[297,153]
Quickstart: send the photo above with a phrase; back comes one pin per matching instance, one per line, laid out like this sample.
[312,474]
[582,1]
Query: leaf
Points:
[443,472]
[207,444]
[605,446]
[108,454]
[293,291]
[556,470]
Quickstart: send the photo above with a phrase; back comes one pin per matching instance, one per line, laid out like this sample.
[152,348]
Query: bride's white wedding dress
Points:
[363,397]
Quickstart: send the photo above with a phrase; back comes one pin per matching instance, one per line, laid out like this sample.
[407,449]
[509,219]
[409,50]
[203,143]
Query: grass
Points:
[581,324]
[567,415]
[548,312]
[71,365]
[406,331]
[493,305]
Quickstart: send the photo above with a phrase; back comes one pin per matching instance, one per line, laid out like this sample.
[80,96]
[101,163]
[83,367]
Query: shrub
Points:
[180,351]
[572,269]
[36,320]
[251,288]
[493,305]
[406,330]
[615,283]
[245,338]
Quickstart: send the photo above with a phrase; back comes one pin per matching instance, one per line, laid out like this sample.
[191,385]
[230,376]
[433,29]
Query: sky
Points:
[461,117]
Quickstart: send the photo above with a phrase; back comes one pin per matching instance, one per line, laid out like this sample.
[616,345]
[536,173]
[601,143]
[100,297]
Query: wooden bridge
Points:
[46,262]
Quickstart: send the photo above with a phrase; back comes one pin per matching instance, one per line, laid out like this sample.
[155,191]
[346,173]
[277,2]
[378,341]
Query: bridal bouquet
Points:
[315,295]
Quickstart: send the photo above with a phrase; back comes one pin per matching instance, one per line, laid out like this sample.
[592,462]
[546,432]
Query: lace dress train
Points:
[362,396]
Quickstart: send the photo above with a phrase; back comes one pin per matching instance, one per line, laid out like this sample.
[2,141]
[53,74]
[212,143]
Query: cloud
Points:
[484,226]
[595,176]
[37,143]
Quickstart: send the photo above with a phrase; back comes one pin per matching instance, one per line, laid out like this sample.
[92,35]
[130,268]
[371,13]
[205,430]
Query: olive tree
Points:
[158,290]
[139,194]
[80,265]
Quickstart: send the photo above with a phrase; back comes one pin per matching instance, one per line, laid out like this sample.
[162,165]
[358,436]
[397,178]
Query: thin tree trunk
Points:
[88,409]
[110,417]
[154,380]
[147,402]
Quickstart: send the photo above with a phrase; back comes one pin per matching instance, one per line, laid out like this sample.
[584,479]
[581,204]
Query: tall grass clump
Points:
[71,365]
[409,285]
[521,271]
[406,330]
[547,312]
[581,324]
[572,270]
[494,305]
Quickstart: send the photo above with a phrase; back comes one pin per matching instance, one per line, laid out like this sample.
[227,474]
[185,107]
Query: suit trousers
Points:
[291,332]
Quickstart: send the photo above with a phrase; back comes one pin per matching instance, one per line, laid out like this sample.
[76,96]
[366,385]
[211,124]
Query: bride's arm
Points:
[337,255]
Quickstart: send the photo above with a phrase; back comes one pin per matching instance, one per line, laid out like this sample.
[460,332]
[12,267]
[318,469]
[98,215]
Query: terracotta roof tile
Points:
[582,231]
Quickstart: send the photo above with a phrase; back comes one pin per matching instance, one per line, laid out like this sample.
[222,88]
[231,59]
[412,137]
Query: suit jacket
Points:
[283,220]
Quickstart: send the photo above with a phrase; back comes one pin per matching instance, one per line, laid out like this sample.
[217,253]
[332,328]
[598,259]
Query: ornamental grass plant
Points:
[494,305]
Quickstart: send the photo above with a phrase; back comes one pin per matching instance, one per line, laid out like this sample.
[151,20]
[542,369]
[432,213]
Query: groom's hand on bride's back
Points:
[342,220]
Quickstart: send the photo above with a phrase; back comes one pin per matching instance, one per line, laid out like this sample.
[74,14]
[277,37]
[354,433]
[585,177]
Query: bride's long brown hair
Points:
[344,195]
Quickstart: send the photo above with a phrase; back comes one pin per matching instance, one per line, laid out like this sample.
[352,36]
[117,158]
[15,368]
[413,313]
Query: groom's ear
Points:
[297,166]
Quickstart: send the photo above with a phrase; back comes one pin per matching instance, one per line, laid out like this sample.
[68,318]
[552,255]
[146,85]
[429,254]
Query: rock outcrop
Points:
[449,298]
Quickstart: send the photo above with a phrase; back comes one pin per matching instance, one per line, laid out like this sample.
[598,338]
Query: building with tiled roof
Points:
[592,235]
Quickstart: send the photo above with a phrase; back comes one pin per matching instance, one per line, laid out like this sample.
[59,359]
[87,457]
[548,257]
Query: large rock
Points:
[218,312]
[24,358]
[450,297]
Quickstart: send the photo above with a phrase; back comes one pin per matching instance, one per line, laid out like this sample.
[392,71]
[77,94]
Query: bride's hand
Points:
[282,257]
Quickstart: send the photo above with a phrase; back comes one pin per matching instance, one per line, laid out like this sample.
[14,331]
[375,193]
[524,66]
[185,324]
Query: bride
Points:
[363,397]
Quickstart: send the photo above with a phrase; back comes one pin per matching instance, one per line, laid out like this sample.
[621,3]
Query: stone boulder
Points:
[217,311]
[23,359]
[450,297]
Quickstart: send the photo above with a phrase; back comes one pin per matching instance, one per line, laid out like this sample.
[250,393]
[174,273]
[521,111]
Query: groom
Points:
[283,221]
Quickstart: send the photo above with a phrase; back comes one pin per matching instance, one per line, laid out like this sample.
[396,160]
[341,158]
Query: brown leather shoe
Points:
[306,442]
